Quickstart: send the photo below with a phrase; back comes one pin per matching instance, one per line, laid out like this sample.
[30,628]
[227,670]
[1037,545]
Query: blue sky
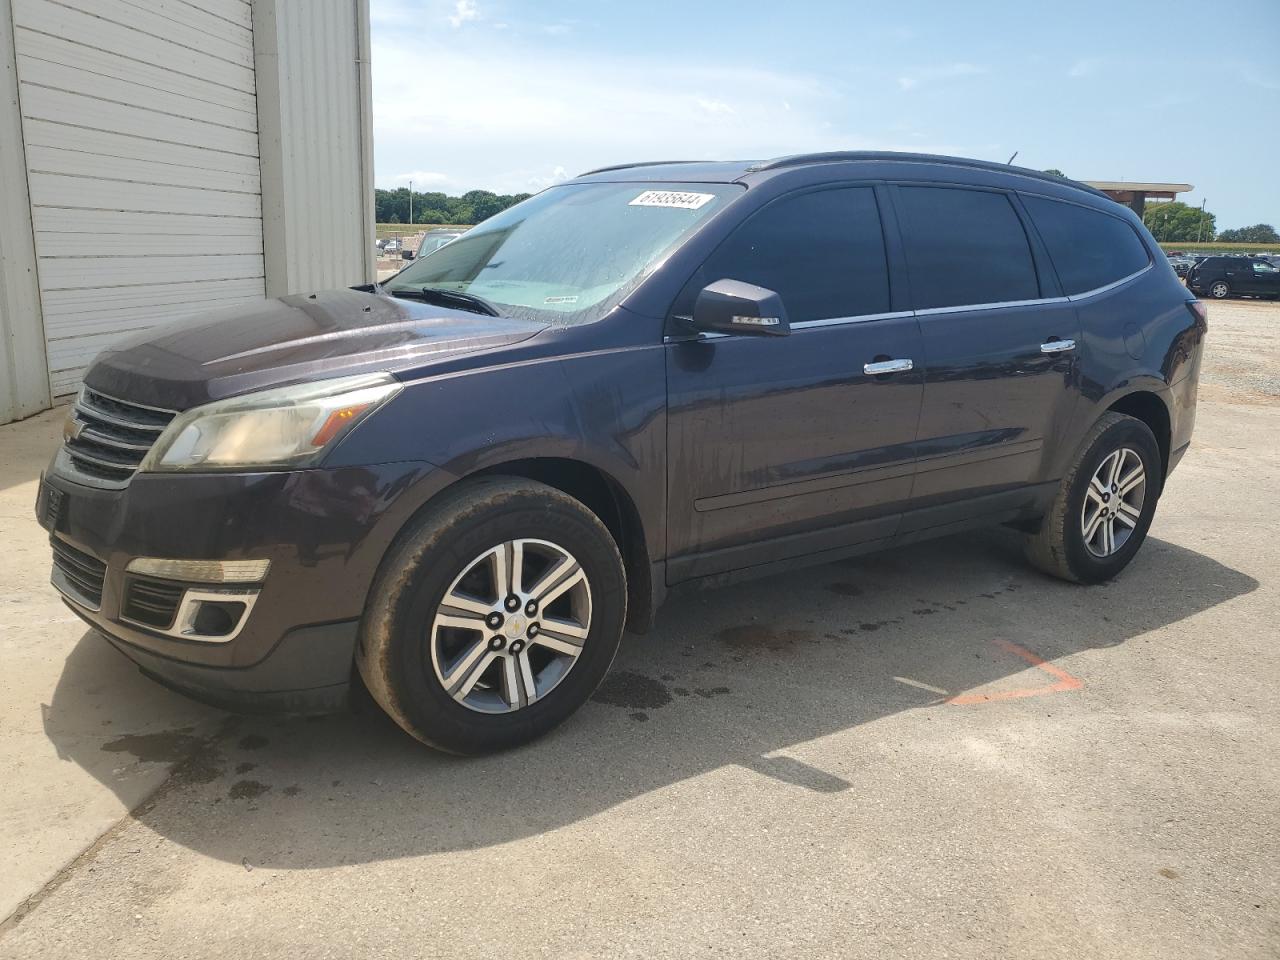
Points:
[512,96]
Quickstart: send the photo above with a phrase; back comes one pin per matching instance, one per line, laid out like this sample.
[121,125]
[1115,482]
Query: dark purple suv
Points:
[465,483]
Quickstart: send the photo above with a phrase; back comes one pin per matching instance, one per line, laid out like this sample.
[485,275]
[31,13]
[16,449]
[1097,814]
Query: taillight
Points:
[1200,310]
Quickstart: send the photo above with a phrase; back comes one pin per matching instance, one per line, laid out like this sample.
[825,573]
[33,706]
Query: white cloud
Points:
[1083,68]
[915,79]
[716,106]
[463,11]
[513,115]
[558,175]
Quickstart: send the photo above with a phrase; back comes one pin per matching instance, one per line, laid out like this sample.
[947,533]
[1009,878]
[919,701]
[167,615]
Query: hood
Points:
[276,342]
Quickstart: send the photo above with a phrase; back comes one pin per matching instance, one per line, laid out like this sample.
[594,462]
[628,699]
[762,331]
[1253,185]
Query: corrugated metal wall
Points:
[141,130]
[317,223]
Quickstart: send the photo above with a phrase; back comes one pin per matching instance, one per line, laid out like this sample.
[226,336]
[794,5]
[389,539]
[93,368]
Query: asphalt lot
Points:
[933,752]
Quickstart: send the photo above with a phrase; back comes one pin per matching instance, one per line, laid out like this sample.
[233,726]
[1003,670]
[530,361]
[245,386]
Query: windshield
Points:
[569,254]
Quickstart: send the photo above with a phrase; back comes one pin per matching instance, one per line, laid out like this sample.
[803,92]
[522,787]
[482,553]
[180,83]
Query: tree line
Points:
[392,206]
[1170,222]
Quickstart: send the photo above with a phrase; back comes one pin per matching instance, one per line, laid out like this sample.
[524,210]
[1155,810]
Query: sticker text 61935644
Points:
[672,198]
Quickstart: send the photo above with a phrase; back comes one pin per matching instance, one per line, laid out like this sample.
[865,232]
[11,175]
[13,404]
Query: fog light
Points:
[216,618]
[213,616]
[201,571]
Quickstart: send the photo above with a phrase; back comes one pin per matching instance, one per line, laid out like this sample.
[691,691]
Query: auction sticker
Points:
[671,198]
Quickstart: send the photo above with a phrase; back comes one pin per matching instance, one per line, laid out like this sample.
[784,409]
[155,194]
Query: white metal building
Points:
[161,158]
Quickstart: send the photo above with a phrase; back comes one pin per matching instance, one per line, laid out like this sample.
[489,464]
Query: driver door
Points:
[780,447]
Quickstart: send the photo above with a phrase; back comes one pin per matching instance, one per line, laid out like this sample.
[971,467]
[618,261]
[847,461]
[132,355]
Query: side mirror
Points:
[731,306]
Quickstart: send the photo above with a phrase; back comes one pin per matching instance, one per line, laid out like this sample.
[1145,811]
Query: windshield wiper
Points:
[451,298]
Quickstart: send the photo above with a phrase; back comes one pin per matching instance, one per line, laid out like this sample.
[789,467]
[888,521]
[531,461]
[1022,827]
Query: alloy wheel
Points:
[1219,290]
[1113,502]
[511,626]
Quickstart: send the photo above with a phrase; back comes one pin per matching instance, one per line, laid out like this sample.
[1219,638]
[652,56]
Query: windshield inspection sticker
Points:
[671,198]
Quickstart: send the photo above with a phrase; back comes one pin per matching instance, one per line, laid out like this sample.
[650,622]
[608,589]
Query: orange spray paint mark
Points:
[1065,680]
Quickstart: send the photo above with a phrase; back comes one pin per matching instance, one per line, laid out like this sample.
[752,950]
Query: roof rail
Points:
[643,163]
[837,156]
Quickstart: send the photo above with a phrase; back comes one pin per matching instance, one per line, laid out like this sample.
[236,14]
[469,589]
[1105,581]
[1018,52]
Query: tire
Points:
[1059,547]
[406,654]
[1219,290]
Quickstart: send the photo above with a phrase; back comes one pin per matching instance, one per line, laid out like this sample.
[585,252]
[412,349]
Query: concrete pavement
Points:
[932,752]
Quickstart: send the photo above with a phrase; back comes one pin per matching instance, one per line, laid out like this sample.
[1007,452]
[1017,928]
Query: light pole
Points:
[411,203]
[1200,225]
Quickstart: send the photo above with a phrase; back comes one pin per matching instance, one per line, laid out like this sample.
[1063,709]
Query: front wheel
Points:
[495,617]
[1104,504]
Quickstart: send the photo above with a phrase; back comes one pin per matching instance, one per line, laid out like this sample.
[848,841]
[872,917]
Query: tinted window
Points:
[1088,248]
[965,247]
[823,252]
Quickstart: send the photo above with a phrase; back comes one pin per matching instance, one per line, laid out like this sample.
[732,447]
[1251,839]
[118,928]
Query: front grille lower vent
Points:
[152,602]
[112,436]
[77,574]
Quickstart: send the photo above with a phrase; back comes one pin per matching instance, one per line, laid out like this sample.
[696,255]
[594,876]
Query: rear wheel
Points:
[1219,290]
[1104,504]
[495,617]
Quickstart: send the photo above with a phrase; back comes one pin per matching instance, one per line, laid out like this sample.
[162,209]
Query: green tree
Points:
[1258,233]
[1175,222]
[392,206]
[1055,172]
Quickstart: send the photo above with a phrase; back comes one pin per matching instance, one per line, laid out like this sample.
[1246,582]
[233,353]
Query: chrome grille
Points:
[108,437]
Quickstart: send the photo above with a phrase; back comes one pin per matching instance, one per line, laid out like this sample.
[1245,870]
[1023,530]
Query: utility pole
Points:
[1200,225]
[411,203]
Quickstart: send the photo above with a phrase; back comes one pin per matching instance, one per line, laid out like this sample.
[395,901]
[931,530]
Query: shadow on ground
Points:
[733,676]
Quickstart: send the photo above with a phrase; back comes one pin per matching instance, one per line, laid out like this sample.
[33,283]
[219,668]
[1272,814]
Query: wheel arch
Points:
[599,492]
[1152,410]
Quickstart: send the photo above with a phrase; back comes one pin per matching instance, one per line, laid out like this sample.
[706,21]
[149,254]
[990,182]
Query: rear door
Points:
[1264,279]
[999,349]
[780,447]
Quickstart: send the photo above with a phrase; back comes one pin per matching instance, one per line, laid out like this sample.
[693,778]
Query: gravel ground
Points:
[934,752]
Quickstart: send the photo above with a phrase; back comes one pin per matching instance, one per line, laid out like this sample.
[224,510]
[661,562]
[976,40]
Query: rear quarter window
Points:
[1089,249]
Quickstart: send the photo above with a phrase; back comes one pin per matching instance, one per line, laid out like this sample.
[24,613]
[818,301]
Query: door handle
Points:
[1058,346]
[886,366]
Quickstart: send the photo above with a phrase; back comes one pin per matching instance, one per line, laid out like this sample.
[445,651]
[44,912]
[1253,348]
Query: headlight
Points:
[286,427]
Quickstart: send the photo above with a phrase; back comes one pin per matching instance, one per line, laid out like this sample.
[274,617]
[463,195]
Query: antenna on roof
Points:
[1009,162]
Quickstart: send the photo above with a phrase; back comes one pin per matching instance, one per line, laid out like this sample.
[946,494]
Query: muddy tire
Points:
[1104,505]
[495,615]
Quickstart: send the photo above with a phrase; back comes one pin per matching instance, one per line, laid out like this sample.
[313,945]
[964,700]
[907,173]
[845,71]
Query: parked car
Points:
[1181,264]
[432,241]
[1234,276]
[462,485]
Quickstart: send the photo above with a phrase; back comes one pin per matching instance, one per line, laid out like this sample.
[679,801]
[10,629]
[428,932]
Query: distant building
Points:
[159,160]
[1136,195]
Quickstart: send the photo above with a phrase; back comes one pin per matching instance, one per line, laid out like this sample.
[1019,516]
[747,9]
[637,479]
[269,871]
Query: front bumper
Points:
[324,532]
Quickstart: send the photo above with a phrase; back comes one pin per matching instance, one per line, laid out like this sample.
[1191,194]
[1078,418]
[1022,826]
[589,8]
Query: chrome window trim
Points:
[1110,286]
[799,325]
[1001,305]
[841,321]
[937,311]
